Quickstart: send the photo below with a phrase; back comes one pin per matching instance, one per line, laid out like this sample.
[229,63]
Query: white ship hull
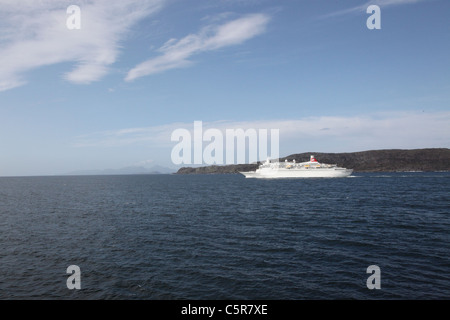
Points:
[300,173]
[309,169]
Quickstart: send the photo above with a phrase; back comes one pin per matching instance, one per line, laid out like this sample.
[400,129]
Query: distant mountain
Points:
[126,170]
[437,159]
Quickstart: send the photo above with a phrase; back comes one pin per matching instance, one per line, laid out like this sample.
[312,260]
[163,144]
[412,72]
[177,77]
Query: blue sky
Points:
[110,94]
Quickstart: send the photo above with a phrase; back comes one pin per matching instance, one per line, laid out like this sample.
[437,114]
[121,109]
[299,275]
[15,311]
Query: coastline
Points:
[388,160]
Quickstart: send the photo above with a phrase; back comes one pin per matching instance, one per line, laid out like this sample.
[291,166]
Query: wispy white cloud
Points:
[155,136]
[363,7]
[176,53]
[403,130]
[34,34]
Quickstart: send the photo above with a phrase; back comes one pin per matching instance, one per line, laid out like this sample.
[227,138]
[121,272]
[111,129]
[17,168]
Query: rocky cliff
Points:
[365,161]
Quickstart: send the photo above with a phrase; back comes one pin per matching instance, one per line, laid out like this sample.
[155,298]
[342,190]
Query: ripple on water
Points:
[225,237]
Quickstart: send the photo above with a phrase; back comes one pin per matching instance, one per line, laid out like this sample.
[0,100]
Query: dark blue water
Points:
[225,237]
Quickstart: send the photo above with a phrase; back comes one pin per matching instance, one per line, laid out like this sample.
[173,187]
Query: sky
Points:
[108,92]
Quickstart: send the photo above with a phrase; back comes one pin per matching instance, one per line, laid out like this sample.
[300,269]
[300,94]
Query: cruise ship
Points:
[308,169]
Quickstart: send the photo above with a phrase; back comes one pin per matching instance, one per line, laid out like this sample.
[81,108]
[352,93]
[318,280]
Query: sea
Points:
[213,237]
